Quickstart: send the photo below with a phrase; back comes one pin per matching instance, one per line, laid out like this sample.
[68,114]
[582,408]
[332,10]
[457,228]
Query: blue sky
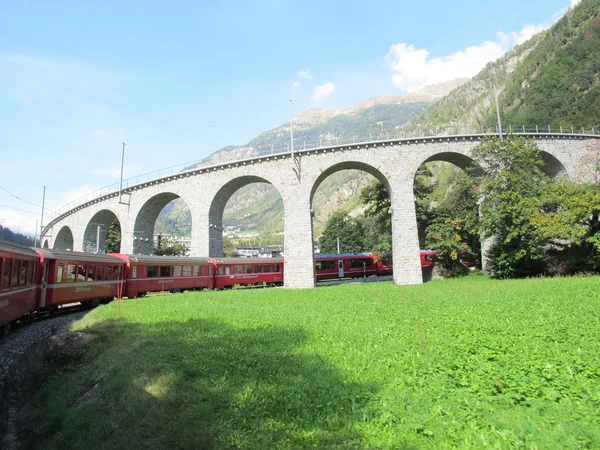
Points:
[178,80]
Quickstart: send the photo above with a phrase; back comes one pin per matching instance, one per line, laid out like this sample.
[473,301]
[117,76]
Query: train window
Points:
[116,272]
[325,265]
[1,269]
[248,269]
[81,272]
[258,268]
[91,273]
[220,270]
[165,271]
[176,271]
[15,274]
[71,270]
[24,267]
[267,268]
[354,263]
[187,271]
[196,271]
[275,267]
[59,273]
[100,273]
[152,271]
[34,273]
[237,269]
[7,272]
[133,271]
[387,259]
[227,270]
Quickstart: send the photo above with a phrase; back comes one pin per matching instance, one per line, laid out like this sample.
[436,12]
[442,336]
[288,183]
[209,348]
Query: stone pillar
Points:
[200,233]
[299,271]
[405,237]
[127,236]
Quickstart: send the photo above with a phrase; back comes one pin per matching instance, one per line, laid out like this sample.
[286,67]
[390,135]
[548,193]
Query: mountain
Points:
[551,79]
[257,208]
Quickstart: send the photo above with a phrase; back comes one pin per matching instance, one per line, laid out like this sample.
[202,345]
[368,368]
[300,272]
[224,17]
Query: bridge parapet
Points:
[183,170]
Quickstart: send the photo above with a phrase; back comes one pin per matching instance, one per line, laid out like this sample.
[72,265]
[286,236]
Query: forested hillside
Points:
[7,235]
[551,79]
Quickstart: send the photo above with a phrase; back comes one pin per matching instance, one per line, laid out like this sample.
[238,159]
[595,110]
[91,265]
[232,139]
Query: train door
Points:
[340,268]
[45,274]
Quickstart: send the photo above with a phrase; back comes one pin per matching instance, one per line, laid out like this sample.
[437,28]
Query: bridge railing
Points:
[301,144]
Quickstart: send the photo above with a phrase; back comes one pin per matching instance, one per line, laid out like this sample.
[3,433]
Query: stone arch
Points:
[143,231]
[349,165]
[553,167]
[46,244]
[94,236]
[324,174]
[217,207]
[460,160]
[64,239]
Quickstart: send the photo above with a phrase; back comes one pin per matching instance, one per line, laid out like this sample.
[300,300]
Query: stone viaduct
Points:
[206,191]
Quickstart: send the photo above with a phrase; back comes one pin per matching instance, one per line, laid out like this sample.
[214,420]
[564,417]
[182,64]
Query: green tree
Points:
[512,178]
[229,250]
[566,218]
[349,231]
[168,246]
[113,238]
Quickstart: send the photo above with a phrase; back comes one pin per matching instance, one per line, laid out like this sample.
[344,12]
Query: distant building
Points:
[249,251]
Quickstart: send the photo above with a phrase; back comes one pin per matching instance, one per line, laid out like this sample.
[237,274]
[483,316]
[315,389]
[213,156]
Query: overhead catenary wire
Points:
[21,199]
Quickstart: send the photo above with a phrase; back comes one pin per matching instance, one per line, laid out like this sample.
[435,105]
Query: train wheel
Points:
[4,329]
[140,294]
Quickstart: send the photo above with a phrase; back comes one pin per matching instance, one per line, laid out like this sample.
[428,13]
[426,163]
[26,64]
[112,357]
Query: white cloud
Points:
[19,222]
[96,133]
[305,74]
[323,90]
[302,74]
[414,68]
[574,2]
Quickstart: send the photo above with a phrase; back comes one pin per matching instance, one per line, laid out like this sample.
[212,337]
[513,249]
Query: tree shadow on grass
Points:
[200,384]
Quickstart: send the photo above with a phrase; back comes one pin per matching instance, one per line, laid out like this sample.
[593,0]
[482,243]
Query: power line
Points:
[18,209]
[20,199]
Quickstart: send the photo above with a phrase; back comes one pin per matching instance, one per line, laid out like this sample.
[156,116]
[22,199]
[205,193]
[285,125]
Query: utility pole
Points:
[42,219]
[97,239]
[338,245]
[292,128]
[121,183]
[497,111]
[35,234]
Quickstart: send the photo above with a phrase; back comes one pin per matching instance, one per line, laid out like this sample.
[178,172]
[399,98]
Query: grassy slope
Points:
[452,364]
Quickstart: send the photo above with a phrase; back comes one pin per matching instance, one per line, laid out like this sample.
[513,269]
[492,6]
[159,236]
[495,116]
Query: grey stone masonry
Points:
[207,190]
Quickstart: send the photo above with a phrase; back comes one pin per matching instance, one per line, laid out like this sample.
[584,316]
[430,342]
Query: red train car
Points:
[70,277]
[345,265]
[248,271]
[19,284]
[385,262]
[165,273]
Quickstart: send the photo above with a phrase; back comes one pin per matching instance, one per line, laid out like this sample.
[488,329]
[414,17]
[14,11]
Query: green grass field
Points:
[468,363]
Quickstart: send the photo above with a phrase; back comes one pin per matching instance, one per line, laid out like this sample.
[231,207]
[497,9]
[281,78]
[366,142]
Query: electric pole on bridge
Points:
[121,183]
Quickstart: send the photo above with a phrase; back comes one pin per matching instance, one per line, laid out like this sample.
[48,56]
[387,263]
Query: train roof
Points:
[78,256]
[13,247]
[248,260]
[154,259]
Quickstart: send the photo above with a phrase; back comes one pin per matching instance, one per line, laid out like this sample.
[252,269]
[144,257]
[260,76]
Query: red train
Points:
[40,280]
[356,265]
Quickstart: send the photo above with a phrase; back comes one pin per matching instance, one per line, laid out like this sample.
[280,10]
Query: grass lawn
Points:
[468,363]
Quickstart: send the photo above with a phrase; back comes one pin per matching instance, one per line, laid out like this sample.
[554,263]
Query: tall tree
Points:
[349,231]
[113,238]
[512,177]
